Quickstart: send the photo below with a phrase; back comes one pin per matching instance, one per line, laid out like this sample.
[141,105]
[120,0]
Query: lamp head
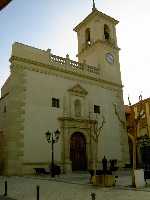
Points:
[57,134]
[48,136]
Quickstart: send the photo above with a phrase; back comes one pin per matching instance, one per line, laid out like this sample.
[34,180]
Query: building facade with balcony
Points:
[81,99]
[138,125]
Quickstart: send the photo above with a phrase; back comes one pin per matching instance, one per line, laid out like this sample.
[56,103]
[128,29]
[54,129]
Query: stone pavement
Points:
[71,187]
[5,198]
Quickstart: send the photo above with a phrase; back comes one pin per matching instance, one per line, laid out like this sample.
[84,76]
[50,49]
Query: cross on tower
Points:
[93,6]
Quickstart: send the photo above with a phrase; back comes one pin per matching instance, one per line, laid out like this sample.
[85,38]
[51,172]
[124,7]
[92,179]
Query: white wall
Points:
[41,116]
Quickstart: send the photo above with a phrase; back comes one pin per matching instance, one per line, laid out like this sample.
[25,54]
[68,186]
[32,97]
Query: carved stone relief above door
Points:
[77,101]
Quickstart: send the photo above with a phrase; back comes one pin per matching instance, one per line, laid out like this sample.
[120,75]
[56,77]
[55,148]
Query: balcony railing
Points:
[76,67]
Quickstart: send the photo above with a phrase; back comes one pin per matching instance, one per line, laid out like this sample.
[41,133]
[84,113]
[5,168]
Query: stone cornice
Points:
[51,69]
[70,119]
[143,101]
[93,44]
[57,65]
[91,16]
[78,90]
[5,95]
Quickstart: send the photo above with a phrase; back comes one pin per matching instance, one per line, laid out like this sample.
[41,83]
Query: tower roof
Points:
[94,13]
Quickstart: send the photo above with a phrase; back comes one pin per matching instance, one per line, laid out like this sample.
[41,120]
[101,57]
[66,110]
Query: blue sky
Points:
[49,24]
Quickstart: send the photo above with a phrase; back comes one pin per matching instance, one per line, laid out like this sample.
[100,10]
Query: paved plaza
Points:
[5,198]
[70,187]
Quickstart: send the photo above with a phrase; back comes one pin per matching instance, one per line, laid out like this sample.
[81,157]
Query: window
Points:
[106,32]
[96,109]
[55,102]
[77,107]
[5,109]
[142,114]
[87,37]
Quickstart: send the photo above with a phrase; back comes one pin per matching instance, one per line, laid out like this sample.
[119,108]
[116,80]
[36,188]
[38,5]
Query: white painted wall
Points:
[40,116]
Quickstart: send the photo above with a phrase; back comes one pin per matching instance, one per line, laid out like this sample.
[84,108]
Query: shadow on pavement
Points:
[5,198]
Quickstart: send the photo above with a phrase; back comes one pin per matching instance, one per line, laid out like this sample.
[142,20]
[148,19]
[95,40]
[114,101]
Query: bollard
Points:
[37,192]
[93,195]
[5,193]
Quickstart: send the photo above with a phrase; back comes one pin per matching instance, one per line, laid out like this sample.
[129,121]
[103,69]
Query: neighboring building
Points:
[45,92]
[138,125]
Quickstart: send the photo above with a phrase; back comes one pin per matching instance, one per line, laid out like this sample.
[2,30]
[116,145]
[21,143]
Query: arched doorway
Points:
[78,151]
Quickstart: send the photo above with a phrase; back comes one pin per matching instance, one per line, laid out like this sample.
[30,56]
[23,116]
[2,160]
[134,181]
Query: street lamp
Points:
[52,137]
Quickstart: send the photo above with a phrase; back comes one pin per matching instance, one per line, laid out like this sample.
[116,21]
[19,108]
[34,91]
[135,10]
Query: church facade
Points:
[82,99]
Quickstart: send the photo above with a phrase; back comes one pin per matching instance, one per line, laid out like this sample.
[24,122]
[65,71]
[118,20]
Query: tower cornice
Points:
[109,43]
[94,13]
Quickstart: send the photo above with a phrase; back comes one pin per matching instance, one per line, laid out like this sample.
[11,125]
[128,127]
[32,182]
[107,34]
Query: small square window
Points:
[96,109]
[55,102]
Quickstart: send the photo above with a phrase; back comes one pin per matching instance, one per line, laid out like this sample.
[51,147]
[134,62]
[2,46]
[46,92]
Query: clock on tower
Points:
[97,44]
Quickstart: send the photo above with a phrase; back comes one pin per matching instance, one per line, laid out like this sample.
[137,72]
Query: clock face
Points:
[110,58]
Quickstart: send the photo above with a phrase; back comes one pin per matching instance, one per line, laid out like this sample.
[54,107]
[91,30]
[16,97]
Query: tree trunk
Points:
[96,155]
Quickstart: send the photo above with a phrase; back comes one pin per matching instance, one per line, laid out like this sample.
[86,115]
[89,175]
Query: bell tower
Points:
[97,44]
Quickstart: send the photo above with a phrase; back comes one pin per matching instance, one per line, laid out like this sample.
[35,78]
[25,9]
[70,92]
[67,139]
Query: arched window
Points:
[106,32]
[87,37]
[77,107]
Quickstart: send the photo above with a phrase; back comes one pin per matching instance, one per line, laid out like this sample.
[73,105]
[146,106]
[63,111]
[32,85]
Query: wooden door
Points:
[145,154]
[78,152]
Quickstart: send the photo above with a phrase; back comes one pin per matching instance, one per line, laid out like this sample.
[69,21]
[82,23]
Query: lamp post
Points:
[52,137]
